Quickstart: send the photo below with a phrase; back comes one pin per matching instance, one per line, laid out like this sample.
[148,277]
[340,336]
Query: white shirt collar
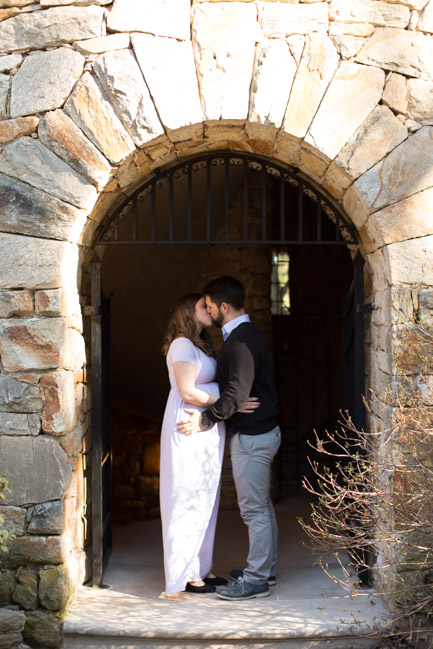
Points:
[229,326]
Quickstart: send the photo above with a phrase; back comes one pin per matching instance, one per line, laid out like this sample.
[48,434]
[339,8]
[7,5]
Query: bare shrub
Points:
[374,493]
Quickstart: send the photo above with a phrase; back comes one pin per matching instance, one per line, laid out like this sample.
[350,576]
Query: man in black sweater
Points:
[244,370]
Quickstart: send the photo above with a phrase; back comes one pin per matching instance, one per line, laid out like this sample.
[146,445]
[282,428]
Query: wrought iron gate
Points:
[101,443]
[353,344]
[164,211]
[190,204]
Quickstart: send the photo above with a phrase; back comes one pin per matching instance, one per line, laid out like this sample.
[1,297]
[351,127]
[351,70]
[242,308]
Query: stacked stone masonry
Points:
[97,94]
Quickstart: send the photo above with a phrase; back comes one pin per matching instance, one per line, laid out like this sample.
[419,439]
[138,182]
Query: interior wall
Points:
[144,283]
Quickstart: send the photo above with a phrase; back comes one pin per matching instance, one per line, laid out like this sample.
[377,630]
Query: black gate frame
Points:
[129,210]
[101,438]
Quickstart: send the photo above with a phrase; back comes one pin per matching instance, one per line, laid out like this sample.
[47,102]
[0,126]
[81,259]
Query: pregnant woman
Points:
[190,464]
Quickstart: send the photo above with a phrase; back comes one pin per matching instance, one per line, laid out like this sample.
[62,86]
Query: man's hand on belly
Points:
[192,424]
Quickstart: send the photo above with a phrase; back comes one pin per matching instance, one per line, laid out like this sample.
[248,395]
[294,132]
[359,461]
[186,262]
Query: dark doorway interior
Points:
[307,344]
[249,209]
[144,284]
[308,353]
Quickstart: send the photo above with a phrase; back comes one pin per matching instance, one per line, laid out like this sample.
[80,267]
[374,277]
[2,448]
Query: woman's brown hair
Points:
[184,323]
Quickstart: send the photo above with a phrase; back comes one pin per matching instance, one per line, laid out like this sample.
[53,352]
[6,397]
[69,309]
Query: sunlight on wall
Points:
[280,288]
[70,298]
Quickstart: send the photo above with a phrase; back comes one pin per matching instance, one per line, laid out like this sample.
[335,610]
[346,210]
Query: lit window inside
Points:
[280,290]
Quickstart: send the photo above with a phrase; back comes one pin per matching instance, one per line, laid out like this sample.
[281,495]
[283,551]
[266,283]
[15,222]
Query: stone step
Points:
[114,620]
[306,609]
[94,642]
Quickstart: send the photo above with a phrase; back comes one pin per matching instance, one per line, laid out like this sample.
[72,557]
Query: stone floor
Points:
[306,608]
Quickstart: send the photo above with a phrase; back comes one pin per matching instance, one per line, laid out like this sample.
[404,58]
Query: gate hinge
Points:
[92,310]
[364,308]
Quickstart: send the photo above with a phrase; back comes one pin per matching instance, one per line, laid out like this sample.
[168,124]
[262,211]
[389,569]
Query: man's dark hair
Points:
[226,289]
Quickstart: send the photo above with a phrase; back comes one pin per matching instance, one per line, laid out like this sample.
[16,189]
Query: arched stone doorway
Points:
[218,214]
[350,107]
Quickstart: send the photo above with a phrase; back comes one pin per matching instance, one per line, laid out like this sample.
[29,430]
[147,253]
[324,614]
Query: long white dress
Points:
[190,477]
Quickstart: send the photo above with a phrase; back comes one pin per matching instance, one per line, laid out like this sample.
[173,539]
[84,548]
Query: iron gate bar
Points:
[170,203]
[153,211]
[227,197]
[116,230]
[263,203]
[340,226]
[300,212]
[110,233]
[245,201]
[189,203]
[208,201]
[282,210]
[134,219]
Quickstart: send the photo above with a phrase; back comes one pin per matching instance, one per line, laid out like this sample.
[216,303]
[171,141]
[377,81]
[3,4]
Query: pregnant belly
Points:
[210,388]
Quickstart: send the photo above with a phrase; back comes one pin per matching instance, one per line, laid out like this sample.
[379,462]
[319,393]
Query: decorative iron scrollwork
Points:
[144,202]
[196,166]
[308,191]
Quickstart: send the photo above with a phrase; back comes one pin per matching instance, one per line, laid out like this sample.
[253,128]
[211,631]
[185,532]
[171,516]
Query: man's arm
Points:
[237,391]
[234,396]
[194,425]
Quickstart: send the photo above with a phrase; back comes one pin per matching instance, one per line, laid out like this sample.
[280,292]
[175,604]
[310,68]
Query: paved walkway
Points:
[305,605]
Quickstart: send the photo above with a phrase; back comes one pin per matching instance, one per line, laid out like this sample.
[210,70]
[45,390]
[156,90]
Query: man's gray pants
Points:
[251,457]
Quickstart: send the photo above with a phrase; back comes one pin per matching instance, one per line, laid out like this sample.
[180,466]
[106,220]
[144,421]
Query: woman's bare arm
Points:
[184,374]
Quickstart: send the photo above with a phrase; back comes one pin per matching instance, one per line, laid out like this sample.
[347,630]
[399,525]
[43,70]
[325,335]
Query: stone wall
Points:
[94,96]
[11,627]
[135,448]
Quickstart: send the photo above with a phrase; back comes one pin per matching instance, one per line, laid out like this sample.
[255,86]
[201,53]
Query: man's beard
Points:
[218,321]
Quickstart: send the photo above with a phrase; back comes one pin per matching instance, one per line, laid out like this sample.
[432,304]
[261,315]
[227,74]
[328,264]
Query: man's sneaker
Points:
[243,590]
[236,574]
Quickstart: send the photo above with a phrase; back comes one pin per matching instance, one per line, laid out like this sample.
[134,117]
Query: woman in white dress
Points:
[190,464]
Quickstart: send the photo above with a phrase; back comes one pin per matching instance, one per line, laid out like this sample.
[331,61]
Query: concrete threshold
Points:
[306,609]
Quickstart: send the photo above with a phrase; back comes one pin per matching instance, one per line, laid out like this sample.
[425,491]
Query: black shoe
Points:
[241,589]
[215,581]
[236,574]
[207,588]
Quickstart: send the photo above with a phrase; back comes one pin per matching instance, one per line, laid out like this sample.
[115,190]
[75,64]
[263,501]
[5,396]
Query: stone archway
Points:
[350,108]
